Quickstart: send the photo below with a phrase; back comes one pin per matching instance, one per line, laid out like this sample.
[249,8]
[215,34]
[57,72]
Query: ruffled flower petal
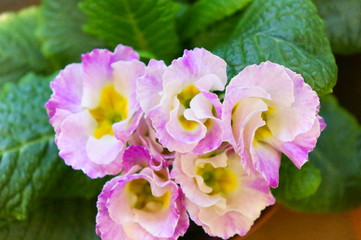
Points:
[266,159]
[106,228]
[103,150]
[93,109]
[73,140]
[150,85]
[98,71]
[67,90]
[274,112]
[220,196]
[66,97]
[183,110]
[137,203]
[297,151]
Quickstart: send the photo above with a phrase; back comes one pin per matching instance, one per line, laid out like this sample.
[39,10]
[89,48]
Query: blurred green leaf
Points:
[217,33]
[63,40]
[338,158]
[205,12]
[19,48]
[343,24]
[55,220]
[296,183]
[147,25]
[288,32]
[75,184]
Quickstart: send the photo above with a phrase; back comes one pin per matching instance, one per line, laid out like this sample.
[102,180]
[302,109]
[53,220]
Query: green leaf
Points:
[288,32]
[343,24]
[55,220]
[29,165]
[338,158]
[143,24]
[63,40]
[75,184]
[205,12]
[296,183]
[186,1]
[218,33]
[19,48]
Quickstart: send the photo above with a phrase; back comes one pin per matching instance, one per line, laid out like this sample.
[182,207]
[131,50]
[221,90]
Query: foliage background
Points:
[36,187]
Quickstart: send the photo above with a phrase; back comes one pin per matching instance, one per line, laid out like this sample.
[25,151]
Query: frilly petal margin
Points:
[66,96]
[72,142]
[98,71]
[298,150]
[150,85]
[195,64]
[179,124]
[117,217]
[67,90]
[106,228]
[235,199]
[88,137]
[287,120]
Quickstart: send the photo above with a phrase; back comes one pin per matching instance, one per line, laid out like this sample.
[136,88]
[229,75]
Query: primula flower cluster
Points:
[175,148]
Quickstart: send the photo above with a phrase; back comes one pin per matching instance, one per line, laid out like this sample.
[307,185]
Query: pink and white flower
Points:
[220,196]
[93,109]
[179,100]
[268,110]
[141,206]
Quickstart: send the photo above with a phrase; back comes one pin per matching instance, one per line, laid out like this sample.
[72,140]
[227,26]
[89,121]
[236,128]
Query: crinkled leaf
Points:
[143,24]
[205,12]
[288,32]
[29,165]
[63,40]
[338,158]
[19,48]
[55,220]
[343,24]
[297,183]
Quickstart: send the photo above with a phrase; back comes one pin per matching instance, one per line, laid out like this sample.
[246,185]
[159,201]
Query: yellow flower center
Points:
[221,180]
[187,124]
[141,197]
[112,108]
[187,94]
[263,132]
[185,97]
